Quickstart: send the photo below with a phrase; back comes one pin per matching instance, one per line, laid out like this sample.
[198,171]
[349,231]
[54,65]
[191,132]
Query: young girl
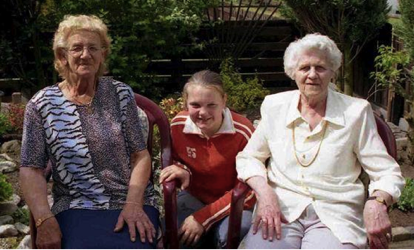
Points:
[206,139]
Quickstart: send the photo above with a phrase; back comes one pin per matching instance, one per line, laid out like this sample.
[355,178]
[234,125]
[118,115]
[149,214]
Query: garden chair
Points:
[157,117]
[239,193]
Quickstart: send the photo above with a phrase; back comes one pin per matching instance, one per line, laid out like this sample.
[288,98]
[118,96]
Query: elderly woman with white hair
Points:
[88,128]
[318,141]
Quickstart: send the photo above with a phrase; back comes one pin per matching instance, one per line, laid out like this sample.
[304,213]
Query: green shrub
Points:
[406,202]
[21,215]
[6,189]
[5,125]
[241,95]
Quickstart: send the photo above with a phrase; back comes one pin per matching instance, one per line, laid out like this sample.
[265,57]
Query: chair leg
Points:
[170,204]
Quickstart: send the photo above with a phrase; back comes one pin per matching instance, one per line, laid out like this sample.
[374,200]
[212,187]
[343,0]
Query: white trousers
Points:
[307,232]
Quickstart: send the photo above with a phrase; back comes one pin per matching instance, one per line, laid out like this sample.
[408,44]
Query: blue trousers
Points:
[216,237]
[83,228]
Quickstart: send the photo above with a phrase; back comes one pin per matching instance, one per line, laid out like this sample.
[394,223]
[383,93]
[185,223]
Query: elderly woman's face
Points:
[84,54]
[313,74]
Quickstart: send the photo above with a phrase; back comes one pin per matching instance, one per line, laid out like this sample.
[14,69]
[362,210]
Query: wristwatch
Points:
[378,199]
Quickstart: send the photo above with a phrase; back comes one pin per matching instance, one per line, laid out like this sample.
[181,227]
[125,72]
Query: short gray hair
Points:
[309,42]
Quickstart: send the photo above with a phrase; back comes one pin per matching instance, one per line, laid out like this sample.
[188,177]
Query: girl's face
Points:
[205,106]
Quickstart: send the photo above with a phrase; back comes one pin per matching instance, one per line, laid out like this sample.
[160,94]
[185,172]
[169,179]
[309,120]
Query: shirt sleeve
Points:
[34,152]
[133,128]
[251,161]
[212,213]
[383,170]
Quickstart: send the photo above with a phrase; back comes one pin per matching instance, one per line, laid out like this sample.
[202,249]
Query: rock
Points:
[50,200]
[25,243]
[16,199]
[5,157]
[402,233]
[8,231]
[6,219]
[12,147]
[401,143]
[22,228]
[7,167]
[7,208]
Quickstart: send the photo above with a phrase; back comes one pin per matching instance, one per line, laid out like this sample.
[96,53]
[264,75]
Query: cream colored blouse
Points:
[331,184]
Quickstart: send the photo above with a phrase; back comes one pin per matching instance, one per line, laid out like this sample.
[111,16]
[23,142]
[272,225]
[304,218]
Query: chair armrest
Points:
[236,212]
[170,205]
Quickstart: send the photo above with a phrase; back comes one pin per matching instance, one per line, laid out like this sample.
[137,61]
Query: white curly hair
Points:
[309,42]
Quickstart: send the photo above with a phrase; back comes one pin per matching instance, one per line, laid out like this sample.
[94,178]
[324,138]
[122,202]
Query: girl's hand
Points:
[190,231]
[174,172]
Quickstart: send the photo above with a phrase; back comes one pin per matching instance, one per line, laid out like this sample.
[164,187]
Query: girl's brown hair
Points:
[204,78]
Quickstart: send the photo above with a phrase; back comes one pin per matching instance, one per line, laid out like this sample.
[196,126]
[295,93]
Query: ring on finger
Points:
[388,236]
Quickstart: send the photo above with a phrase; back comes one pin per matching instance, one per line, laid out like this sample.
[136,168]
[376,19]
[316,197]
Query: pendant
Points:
[303,156]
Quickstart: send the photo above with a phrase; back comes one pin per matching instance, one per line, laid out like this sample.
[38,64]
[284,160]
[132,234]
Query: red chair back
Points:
[157,117]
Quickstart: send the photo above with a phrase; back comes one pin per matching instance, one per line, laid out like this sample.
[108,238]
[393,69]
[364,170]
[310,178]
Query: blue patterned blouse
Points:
[89,147]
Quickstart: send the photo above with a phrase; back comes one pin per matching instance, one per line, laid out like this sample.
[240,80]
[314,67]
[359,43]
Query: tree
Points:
[141,31]
[350,23]
[20,43]
[394,69]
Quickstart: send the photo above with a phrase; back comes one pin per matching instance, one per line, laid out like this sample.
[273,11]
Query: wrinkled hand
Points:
[269,216]
[190,231]
[49,235]
[377,224]
[172,172]
[136,218]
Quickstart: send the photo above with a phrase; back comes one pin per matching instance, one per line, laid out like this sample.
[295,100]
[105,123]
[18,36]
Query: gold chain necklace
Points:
[88,105]
[317,152]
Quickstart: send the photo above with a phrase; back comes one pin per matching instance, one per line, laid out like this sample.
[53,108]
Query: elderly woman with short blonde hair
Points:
[88,128]
[318,141]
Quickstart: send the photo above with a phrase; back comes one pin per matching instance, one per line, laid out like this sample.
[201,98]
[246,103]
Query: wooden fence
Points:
[262,57]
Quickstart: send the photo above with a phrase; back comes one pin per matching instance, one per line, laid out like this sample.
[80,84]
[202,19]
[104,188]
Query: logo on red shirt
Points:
[191,152]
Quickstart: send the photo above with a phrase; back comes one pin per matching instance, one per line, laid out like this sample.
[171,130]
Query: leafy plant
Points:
[6,189]
[141,31]
[393,70]
[5,125]
[406,202]
[21,215]
[172,106]
[241,95]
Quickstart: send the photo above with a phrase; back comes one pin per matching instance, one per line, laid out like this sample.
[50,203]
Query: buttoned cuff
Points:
[389,184]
